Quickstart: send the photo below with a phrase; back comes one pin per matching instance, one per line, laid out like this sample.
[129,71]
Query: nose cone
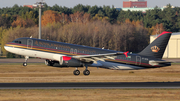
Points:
[11,48]
[8,48]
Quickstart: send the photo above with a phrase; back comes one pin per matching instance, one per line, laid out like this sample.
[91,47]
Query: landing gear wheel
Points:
[86,72]
[76,72]
[26,58]
[25,64]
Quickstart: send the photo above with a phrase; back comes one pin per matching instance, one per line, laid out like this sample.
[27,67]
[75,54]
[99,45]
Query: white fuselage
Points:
[57,56]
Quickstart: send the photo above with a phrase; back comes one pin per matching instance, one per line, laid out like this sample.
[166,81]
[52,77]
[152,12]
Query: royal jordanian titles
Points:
[71,55]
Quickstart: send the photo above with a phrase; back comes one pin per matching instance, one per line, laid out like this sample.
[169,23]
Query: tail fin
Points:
[157,47]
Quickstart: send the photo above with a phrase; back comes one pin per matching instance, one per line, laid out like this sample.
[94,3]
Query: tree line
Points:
[89,25]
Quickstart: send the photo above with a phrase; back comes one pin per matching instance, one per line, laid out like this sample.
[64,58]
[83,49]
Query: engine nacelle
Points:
[66,61]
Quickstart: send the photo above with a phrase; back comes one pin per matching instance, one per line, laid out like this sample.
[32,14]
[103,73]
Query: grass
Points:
[15,72]
[40,73]
[91,95]
[175,63]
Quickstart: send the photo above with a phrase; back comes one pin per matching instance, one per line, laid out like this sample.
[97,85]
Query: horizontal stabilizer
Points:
[154,62]
[163,61]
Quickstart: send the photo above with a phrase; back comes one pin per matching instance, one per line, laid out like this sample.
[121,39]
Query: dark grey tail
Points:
[157,47]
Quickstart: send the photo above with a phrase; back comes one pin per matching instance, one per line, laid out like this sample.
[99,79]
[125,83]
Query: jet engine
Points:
[66,61]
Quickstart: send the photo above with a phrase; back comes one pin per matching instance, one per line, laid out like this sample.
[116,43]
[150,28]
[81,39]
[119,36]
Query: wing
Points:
[97,57]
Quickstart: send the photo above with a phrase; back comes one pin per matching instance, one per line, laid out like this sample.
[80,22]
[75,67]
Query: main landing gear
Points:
[76,72]
[26,58]
[86,72]
[49,63]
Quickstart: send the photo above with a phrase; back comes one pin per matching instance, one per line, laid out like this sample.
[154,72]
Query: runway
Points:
[100,85]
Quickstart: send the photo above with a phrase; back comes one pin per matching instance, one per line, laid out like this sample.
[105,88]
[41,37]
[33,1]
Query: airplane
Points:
[71,55]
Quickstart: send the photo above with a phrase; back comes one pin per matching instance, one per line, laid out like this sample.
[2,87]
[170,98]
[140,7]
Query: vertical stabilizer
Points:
[157,47]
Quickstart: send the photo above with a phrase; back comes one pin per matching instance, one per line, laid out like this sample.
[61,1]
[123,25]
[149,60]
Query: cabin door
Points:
[29,43]
[138,60]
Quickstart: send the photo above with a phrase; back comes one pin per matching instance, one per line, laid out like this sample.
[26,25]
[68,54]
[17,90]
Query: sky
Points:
[72,3]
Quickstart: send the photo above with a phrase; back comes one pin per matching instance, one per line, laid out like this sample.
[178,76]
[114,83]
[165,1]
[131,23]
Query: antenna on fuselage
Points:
[103,47]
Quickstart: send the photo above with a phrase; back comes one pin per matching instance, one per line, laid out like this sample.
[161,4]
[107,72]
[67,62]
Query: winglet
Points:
[125,53]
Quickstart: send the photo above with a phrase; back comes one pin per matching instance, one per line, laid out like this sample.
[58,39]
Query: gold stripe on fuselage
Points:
[39,49]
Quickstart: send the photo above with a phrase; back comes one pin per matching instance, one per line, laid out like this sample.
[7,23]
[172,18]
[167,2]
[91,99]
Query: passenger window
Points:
[75,51]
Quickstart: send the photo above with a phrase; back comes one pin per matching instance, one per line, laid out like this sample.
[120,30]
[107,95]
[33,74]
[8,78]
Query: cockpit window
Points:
[19,42]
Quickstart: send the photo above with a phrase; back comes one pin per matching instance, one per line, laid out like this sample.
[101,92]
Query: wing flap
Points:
[98,55]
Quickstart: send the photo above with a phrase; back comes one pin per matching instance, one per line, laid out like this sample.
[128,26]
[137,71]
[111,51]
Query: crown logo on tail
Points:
[155,49]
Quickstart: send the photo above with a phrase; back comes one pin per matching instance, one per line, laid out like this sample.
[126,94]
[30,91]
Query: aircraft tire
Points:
[25,64]
[86,72]
[76,72]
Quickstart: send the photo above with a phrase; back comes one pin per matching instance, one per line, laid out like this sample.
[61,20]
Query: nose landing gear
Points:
[26,58]
[25,64]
